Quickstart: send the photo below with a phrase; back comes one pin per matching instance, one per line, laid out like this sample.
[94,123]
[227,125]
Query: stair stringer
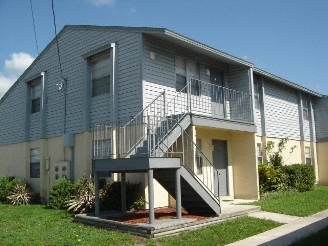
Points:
[202,191]
[195,197]
[172,136]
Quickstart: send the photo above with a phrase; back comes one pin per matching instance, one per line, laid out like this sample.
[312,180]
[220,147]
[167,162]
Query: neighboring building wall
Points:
[321,118]
[282,113]
[322,149]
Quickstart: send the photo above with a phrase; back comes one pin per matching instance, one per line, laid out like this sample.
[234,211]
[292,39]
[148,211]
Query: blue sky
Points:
[288,38]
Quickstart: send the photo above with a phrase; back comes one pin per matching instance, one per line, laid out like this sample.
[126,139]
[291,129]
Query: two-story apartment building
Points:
[133,100]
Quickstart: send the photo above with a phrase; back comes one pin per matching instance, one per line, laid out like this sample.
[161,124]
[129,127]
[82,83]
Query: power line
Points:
[53,14]
[36,40]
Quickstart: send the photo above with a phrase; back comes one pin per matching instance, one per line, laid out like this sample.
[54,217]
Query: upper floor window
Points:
[35,163]
[36,93]
[184,69]
[180,73]
[256,94]
[100,73]
[308,159]
[305,105]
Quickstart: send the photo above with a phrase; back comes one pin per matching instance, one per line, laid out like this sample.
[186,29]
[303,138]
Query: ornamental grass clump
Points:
[84,199]
[21,194]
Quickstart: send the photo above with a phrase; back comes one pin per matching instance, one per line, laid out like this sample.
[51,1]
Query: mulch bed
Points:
[142,215]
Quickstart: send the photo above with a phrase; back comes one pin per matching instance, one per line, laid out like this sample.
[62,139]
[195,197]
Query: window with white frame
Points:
[305,105]
[100,73]
[259,153]
[35,163]
[308,159]
[199,157]
[193,72]
[36,93]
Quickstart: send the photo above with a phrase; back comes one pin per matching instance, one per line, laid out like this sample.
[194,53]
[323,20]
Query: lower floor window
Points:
[199,157]
[308,159]
[35,163]
[259,153]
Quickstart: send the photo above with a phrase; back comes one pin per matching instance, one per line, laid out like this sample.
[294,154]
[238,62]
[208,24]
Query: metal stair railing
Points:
[132,133]
[154,123]
[195,161]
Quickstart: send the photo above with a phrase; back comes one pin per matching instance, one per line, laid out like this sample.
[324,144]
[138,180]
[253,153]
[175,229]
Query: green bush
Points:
[60,192]
[267,178]
[112,195]
[300,176]
[6,186]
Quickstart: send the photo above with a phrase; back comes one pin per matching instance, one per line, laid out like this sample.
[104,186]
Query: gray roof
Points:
[285,82]
[175,38]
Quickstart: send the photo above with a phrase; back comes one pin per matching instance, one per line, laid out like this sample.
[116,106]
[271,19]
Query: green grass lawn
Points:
[220,234]
[297,203]
[36,225]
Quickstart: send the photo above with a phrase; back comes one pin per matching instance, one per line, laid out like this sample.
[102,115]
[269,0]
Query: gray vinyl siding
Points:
[306,127]
[321,118]
[73,44]
[313,123]
[238,78]
[159,74]
[258,122]
[282,115]
[12,116]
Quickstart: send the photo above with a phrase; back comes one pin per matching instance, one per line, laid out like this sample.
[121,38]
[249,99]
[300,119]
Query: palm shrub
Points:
[20,194]
[60,192]
[84,198]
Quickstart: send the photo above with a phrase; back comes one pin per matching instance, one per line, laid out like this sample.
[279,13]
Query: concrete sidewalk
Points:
[294,229]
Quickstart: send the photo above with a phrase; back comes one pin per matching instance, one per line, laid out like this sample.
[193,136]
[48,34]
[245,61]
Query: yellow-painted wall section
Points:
[55,160]
[245,165]
[298,154]
[12,160]
[289,158]
[242,166]
[322,153]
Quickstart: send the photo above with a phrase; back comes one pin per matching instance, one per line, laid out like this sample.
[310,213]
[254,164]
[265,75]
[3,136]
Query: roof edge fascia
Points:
[286,82]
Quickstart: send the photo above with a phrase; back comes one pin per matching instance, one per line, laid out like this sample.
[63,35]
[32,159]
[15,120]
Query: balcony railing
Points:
[161,115]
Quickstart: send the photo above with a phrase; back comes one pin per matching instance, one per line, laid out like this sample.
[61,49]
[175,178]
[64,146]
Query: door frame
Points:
[216,188]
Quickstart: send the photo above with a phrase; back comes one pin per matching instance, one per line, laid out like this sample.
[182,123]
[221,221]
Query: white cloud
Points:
[13,68]
[102,2]
[5,84]
[133,10]
[18,63]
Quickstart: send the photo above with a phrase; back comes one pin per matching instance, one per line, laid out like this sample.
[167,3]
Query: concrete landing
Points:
[164,227]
